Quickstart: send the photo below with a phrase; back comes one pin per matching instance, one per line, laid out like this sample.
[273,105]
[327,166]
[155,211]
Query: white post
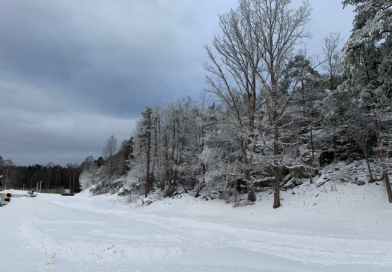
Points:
[40,185]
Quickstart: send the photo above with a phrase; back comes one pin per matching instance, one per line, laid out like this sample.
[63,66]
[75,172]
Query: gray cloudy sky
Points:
[72,73]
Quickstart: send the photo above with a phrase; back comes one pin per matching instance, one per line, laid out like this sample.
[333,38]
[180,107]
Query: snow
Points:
[334,227]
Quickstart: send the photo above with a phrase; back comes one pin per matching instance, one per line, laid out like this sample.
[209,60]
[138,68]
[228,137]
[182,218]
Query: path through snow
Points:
[89,233]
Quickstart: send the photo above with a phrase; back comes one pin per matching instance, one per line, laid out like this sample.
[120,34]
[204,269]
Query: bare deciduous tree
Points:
[109,150]
[279,30]
[331,66]
[147,120]
[258,39]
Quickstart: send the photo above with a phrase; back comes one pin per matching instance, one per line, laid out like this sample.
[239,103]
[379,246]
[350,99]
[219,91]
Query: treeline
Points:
[276,116]
[49,178]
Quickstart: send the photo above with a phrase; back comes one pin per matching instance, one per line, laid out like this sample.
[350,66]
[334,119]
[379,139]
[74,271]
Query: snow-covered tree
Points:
[366,59]
[306,96]
[360,131]
[331,55]
[109,151]
[248,74]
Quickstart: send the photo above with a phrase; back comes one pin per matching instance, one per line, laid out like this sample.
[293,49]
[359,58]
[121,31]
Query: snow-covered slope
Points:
[336,227]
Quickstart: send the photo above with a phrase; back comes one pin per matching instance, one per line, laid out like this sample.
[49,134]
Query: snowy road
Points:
[91,234]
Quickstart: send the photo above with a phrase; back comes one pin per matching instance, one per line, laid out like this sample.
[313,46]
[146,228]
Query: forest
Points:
[272,116]
[45,178]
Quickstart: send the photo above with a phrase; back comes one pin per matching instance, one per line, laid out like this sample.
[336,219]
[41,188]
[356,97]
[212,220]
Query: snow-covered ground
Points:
[336,227]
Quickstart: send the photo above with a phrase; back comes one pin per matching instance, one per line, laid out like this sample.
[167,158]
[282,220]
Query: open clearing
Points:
[316,229]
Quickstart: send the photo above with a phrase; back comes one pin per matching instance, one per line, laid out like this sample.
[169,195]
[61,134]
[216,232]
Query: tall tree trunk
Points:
[335,152]
[275,168]
[335,149]
[167,171]
[311,133]
[249,185]
[148,160]
[203,166]
[110,165]
[275,121]
[369,168]
[311,141]
[172,172]
[156,128]
[382,158]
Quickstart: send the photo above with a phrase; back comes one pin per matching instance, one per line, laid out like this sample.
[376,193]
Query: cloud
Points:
[110,53]
[73,72]
[39,126]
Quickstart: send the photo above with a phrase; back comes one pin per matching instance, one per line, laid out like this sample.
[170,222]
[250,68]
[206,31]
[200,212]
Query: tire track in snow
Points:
[306,249]
[189,233]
